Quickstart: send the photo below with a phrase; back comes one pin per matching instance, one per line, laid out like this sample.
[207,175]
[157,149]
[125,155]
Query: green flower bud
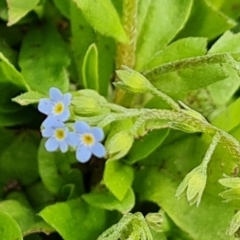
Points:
[234,226]
[158,221]
[133,81]
[88,103]
[234,192]
[194,183]
[119,145]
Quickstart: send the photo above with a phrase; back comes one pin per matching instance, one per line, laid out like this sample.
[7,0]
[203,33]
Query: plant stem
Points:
[126,52]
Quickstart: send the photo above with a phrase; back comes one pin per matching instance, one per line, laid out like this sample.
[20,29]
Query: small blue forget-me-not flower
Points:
[58,135]
[57,105]
[88,142]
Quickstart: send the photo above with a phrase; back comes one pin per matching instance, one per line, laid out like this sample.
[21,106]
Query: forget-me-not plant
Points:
[85,139]
[57,105]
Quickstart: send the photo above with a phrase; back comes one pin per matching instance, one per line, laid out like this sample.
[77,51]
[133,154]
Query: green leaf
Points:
[56,173]
[205,16]
[44,45]
[63,6]
[18,9]
[229,117]
[3,10]
[228,42]
[145,146]
[229,7]
[9,228]
[160,187]
[28,221]
[102,198]
[105,45]
[19,117]
[25,156]
[159,15]
[180,49]
[29,97]
[8,73]
[90,68]
[176,77]
[39,196]
[75,219]
[103,17]
[118,178]
[48,169]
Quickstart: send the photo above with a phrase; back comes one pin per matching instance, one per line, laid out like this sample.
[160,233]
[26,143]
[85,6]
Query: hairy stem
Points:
[126,52]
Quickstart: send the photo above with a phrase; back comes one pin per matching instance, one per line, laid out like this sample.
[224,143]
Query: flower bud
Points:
[234,226]
[88,103]
[194,183]
[234,192]
[133,81]
[119,145]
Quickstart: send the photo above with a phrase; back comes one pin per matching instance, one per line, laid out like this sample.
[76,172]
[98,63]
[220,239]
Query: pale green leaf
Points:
[102,198]
[118,178]
[10,74]
[103,17]
[205,16]
[144,146]
[28,98]
[76,219]
[18,9]
[157,26]
[229,117]
[90,68]
[9,229]
[180,49]
[28,221]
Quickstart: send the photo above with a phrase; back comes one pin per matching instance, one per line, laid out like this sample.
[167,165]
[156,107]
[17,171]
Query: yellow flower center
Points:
[88,139]
[60,134]
[58,108]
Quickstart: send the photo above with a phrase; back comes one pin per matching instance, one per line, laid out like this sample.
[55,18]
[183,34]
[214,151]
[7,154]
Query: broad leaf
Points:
[118,178]
[18,9]
[145,146]
[76,219]
[205,17]
[29,97]
[102,198]
[157,26]
[103,17]
[9,228]
[28,221]
[43,52]
[24,158]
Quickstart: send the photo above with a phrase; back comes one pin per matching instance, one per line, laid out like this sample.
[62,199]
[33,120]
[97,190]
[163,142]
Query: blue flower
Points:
[57,105]
[88,142]
[58,134]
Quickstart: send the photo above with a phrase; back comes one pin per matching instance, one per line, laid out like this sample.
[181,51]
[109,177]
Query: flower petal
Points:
[51,144]
[98,150]
[67,99]
[82,127]
[47,132]
[83,154]
[63,146]
[64,116]
[55,94]
[97,133]
[45,106]
[73,139]
[51,121]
